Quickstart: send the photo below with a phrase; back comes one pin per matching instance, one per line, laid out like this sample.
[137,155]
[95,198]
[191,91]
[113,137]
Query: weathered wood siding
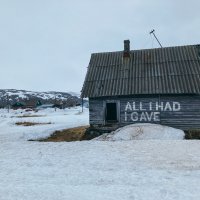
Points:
[179,111]
[96,115]
[189,115]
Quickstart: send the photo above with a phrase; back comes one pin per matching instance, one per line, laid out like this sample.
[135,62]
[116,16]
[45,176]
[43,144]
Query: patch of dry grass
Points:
[24,116]
[31,123]
[67,135]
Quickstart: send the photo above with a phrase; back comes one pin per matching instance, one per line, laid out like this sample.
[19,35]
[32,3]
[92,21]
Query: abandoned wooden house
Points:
[159,85]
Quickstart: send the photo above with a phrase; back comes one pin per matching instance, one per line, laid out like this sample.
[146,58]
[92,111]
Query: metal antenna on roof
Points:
[152,32]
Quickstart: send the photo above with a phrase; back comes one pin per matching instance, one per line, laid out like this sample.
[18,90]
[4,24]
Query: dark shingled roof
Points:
[170,70]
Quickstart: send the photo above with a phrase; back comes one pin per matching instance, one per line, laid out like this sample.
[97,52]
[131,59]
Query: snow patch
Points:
[143,132]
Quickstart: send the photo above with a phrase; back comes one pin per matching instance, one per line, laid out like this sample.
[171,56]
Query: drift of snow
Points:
[143,132]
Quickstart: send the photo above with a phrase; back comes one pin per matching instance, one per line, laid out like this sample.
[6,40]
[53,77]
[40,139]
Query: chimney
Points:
[126,49]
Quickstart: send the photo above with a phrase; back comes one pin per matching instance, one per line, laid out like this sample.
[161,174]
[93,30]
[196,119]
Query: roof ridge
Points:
[157,48]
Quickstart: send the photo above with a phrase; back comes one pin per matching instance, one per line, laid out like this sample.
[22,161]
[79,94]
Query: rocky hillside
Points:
[12,96]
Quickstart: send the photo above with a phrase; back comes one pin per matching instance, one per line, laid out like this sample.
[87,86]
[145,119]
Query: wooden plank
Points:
[179,111]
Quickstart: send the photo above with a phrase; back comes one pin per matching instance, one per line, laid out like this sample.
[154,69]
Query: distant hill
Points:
[12,96]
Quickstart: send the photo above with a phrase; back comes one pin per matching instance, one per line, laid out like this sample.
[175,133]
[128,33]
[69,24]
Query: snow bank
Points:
[143,132]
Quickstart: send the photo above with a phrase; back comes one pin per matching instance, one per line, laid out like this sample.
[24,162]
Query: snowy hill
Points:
[12,96]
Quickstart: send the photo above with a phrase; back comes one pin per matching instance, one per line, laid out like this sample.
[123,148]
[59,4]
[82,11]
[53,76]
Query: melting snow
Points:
[143,132]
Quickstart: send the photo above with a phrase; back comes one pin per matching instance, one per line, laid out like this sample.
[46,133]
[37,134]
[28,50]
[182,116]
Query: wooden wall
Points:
[179,111]
[96,111]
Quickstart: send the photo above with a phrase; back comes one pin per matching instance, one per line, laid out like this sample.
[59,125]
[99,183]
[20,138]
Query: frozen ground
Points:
[137,169]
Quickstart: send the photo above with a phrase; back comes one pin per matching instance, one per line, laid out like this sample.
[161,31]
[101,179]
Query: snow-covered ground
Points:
[59,120]
[136,169]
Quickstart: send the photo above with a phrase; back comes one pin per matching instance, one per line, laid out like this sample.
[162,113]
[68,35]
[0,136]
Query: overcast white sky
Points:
[45,45]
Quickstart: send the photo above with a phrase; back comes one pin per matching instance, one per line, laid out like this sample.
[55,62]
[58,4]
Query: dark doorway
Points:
[111,112]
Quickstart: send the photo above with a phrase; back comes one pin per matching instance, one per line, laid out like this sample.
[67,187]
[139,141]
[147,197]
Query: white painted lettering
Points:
[156,116]
[176,106]
[150,106]
[159,106]
[141,108]
[125,116]
[134,106]
[128,107]
[143,117]
[149,116]
[168,107]
[134,116]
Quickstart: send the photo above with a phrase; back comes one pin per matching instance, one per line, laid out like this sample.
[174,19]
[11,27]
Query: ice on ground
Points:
[143,132]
